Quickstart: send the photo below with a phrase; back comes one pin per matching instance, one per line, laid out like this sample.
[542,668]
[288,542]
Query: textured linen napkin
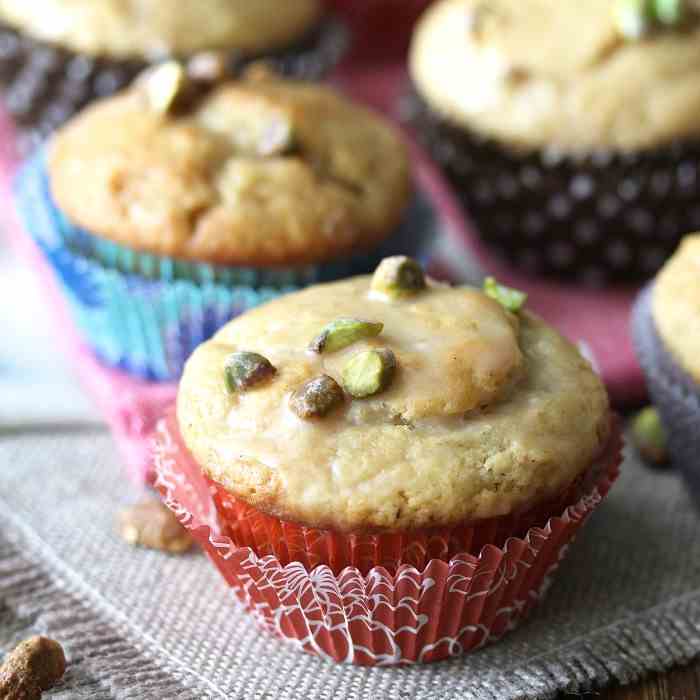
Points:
[140,624]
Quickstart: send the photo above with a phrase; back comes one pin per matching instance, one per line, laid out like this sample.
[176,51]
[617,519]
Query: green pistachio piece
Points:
[398,276]
[649,436]
[369,372]
[633,18]
[165,86]
[242,370]
[342,332]
[636,18]
[508,298]
[317,397]
[670,12]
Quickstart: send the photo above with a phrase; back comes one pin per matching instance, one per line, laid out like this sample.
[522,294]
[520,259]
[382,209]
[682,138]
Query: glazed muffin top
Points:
[259,172]
[470,411]
[676,305]
[147,28]
[557,73]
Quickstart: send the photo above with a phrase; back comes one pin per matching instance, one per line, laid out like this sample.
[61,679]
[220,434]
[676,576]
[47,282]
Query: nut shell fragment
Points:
[34,666]
[152,525]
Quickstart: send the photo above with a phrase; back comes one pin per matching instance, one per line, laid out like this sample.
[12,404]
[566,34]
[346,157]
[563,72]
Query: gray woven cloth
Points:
[140,624]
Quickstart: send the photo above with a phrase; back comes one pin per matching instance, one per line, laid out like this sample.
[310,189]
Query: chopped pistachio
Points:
[398,276]
[636,18]
[670,12]
[369,372]
[342,332]
[243,370]
[649,436]
[207,66]
[165,86]
[633,18]
[317,397]
[511,299]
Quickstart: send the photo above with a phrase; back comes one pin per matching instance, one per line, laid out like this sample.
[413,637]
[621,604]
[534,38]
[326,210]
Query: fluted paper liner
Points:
[443,609]
[674,392]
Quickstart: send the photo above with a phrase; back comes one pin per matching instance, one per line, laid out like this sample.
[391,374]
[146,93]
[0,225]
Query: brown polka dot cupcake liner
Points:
[673,391]
[599,219]
[43,85]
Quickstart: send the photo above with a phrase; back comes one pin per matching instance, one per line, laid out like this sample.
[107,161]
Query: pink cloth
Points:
[131,407]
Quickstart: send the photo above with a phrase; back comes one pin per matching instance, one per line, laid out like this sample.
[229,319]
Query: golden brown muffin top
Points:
[676,305]
[558,73]
[147,28]
[485,413]
[263,172]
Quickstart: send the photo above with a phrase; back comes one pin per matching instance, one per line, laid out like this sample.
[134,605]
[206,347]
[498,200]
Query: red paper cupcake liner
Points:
[288,541]
[381,618]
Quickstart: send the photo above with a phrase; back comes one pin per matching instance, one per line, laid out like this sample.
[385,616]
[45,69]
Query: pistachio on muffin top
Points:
[143,28]
[367,404]
[676,305]
[257,172]
[558,73]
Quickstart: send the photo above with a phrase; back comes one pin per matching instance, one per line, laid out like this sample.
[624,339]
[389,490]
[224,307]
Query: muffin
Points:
[392,424]
[570,129]
[57,55]
[171,207]
[667,336]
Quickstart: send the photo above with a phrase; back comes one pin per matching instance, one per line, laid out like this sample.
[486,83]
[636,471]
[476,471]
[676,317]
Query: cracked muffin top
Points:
[676,305]
[147,28]
[259,172]
[559,73]
[352,407]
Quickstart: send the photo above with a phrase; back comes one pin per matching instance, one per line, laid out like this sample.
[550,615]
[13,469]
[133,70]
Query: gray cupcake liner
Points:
[673,391]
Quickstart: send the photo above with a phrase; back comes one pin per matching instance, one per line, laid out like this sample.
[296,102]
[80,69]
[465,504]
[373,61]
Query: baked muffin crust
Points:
[146,28]
[537,73]
[488,412]
[189,186]
[676,305]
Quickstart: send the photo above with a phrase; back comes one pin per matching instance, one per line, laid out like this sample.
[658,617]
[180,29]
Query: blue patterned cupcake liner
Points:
[673,391]
[145,314]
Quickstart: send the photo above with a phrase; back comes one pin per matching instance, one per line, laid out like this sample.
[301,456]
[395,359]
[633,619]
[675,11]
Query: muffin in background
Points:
[58,55]
[571,136]
[171,207]
[667,337]
[396,435]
